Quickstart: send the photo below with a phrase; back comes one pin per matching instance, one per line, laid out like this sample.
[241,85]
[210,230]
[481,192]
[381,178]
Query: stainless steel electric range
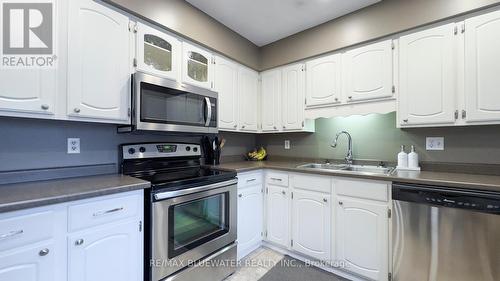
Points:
[190,212]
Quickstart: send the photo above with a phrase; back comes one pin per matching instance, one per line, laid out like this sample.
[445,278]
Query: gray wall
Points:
[34,144]
[376,137]
[186,20]
[379,20]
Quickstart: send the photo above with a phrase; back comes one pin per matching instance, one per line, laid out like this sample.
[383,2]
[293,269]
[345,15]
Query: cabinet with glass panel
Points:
[158,53]
[197,66]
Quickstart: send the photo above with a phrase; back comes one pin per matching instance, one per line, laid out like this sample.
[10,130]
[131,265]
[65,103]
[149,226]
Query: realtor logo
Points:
[27,34]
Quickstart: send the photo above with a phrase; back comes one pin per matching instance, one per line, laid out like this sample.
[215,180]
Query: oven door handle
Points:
[209,111]
[177,193]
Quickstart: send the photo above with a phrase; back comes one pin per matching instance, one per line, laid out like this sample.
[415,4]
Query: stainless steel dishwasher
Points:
[445,234]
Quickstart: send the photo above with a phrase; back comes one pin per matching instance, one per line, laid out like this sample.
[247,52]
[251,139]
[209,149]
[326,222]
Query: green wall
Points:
[376,137]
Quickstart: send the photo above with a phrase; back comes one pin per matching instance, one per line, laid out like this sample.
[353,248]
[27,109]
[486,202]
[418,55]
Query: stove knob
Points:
[142,149]
[195,149]
[131,150]
[188,148]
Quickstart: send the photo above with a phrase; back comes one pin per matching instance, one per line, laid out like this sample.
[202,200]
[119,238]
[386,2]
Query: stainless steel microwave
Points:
[160,104]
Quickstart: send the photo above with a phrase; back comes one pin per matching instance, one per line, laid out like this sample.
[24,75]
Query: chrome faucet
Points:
[348,157]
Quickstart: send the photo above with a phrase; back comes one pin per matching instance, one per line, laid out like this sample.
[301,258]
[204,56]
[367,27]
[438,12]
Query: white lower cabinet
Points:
[106,253]
[277,215]
[362,237]
[29,263]
[311,224]
[250,219]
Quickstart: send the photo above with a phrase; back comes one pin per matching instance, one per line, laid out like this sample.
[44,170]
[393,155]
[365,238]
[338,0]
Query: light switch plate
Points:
[73,145]
[434,143]
[287,144]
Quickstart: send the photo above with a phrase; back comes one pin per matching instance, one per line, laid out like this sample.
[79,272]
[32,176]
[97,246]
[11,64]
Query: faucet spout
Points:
[348,157]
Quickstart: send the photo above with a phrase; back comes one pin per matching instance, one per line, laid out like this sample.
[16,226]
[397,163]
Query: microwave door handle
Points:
[209,112]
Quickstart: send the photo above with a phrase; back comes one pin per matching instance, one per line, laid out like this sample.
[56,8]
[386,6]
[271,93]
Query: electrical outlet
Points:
[73,145]
[287,144]
[434,143]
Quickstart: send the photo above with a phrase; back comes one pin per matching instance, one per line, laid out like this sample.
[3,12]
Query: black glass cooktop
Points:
[187,176]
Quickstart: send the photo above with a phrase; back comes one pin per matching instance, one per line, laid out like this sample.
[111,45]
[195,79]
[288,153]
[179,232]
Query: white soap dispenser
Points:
[413,159]
[402,158]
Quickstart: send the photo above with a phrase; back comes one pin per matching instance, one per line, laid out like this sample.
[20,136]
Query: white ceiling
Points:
[266,21]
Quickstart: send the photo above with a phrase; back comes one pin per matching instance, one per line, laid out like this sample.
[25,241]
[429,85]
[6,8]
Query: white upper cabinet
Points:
[428,77]
[278,215]
[368,72]
[226,84]
[271,100]
[311,224]
[250,219]
[28,91]
[98,62]
[323,81]
[157,52]
[197,66]
[482,67]
[362,237]
[293,97]
[248,84]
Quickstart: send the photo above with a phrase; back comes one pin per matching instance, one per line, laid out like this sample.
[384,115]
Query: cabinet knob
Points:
[325,200]
[240,195]
[336,99]
[405,120]
[284,127]
[235,126]
[341,203]
[283,192]
[43,252]
[77,110]
[45,106]
[243,127]
[275,128]
[350,97]
[79,242]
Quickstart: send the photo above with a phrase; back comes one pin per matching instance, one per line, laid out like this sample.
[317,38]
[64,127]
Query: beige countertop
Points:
[456,180]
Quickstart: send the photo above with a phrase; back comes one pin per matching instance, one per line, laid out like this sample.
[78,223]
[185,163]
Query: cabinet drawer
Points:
[102,211]
[26,229]
[249,179]
[277,178]
[310,182]
[360,188]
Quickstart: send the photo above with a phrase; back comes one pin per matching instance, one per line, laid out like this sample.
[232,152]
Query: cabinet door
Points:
[311,223]
[28,90]
[277,214]
[271,100]
[108,253]
[362,237]
[368,72]
[428,77]
[226,84]
[98,62]
[250,219]
[482,42]
[29,263]
[293,97]
[158,53]
[248,82]
[323,81]
[197,66]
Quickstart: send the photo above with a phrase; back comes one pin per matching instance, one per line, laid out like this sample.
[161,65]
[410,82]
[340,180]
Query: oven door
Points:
[190,224]
[164,105]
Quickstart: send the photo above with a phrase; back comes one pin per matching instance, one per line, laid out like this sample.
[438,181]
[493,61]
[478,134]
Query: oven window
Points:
[170,106]
[197,222]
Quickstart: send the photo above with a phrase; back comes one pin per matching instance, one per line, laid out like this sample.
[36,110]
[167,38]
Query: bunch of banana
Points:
[257,154]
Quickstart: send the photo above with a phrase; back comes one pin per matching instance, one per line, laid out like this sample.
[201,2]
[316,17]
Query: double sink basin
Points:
[356,169]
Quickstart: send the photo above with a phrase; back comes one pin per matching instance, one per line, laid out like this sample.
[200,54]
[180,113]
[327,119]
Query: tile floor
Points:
[255,265]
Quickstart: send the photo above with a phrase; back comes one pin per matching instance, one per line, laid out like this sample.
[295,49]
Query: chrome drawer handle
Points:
[276,179]
[251,180]
[43,252]
[107,212]
[11,234]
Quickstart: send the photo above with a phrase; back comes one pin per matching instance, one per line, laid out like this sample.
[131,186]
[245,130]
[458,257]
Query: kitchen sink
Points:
[361,169]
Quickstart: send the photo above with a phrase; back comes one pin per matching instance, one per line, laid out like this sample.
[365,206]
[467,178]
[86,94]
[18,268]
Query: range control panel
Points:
[160,150]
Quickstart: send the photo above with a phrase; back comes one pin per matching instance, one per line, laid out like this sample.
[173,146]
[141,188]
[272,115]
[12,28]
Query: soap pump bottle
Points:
[413,158]
[402,158]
